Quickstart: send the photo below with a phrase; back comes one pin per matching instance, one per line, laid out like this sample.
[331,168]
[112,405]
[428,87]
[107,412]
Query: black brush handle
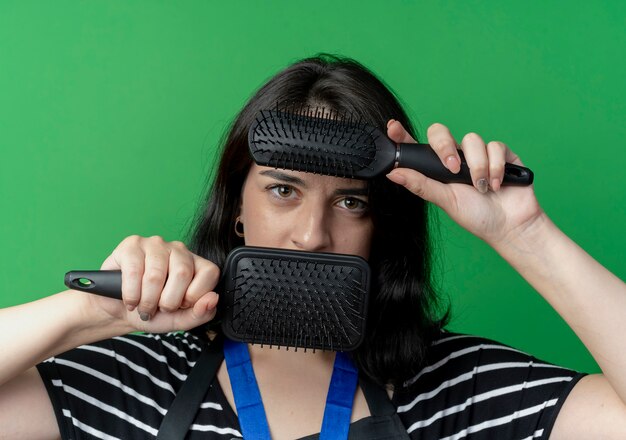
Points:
[101,282]
[421,157]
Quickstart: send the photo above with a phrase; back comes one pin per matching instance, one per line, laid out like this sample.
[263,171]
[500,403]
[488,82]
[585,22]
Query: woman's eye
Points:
[353,204]
[282,191]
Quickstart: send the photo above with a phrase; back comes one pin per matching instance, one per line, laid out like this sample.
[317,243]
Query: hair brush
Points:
[277,297]
[345,148]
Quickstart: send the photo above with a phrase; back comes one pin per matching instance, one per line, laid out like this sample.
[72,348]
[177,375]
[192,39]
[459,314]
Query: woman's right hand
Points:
[165,287]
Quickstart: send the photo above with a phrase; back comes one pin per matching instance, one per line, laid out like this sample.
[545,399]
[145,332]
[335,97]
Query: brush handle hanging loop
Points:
[101,282]
[422,158]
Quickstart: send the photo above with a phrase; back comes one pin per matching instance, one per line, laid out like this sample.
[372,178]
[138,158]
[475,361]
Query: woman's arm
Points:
[30,333]
[171,287]
[587,296]
[592,301]
[35,331]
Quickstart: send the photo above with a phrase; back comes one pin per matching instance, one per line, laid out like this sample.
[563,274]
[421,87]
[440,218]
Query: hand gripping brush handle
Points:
[277,297]
[282,139]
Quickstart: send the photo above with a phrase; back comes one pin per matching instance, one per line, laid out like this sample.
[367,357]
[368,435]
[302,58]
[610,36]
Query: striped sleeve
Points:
[477,389]
[121,388]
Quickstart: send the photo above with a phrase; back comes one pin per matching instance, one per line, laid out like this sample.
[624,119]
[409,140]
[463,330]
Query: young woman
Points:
[74,370]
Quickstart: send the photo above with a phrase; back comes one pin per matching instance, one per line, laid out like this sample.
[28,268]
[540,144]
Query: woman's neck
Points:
[290,358]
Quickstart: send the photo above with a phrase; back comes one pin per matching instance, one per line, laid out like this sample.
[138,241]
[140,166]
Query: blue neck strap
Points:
[252,419]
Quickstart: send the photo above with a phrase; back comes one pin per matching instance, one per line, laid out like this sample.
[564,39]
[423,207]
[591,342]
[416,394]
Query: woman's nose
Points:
[311,231]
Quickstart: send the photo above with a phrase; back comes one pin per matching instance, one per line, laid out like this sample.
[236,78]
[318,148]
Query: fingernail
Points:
[495,184]
[482,186]
[144,316]
[452,163]
[130,307]
[397,178]
[391,121]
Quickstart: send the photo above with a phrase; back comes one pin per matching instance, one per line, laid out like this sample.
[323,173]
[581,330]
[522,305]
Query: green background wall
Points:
[111,111]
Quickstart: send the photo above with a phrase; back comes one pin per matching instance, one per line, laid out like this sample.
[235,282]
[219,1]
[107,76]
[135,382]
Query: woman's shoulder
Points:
[452,354]
[175,348]
[167,355]
[123,386]
[458,348]
[478,382]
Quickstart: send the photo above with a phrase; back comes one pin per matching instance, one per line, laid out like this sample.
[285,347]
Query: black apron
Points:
[384,422]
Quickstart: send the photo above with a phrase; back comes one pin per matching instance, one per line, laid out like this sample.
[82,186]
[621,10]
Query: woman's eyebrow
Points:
[364,191]
[288,178]
[283,177]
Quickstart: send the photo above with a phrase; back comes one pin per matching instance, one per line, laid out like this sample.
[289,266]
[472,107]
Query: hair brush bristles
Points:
[295,299]
[312,140]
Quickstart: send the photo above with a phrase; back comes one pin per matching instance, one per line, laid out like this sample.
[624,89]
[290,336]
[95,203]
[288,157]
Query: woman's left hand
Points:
[487,209]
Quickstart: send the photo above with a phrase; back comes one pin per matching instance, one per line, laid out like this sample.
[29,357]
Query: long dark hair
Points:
[404,312]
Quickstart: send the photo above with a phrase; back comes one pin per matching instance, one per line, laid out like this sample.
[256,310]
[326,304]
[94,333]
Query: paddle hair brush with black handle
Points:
[277,297]
[345,148]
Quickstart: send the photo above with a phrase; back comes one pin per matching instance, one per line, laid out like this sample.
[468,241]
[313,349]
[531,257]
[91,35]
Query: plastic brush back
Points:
[295,299]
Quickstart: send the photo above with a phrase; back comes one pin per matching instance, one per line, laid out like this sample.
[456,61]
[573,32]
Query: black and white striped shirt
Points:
[472,388]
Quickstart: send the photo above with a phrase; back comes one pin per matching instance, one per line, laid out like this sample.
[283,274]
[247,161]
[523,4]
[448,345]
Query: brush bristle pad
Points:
[295,299]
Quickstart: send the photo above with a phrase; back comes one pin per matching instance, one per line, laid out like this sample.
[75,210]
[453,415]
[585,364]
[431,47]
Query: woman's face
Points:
[304,211]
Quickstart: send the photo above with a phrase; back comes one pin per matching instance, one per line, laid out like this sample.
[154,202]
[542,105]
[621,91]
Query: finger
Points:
[475,153]
[207,275]
[496,152]
[207,303]
[129,258]
[180,273]
[511,157]
[398,133]
[443,143]
[155,273]
[202,312]
[110,264]
[420,185]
